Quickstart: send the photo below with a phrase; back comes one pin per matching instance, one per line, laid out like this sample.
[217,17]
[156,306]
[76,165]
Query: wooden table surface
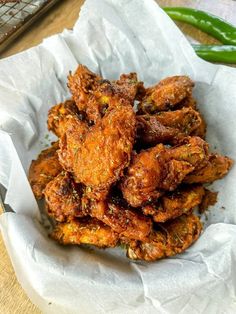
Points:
[12,297]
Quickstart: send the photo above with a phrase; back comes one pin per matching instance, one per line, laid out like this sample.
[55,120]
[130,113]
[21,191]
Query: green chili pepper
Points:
[225,54]
[208,23]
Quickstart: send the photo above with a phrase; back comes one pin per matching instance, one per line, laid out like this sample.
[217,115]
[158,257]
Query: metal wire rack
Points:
[15,17]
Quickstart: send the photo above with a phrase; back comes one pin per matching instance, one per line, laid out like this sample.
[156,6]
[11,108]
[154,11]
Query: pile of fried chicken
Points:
[128,167]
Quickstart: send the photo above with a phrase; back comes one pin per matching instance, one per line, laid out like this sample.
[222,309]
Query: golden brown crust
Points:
[170,239]
[82,84]
[151,132]
[161,168]
[175,204]
[63,198]
[166,94]
[44,169]
[85,231]
[127,222]
[216,168]
[95,96]
[98,158]
[57,116]
[167,126]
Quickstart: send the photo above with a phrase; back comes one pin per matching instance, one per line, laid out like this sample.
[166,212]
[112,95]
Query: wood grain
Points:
[12,297]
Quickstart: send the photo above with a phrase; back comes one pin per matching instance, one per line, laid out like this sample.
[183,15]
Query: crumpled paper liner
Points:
[113,37]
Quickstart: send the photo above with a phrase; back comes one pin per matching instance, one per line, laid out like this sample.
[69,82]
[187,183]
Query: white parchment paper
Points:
[113,37]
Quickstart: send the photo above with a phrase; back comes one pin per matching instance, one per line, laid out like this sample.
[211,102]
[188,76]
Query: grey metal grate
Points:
[16,17]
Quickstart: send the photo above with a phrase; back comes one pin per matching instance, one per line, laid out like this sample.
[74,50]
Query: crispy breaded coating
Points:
[216,168]
[63,198]
[44,169]
[192,149]
[151,132]
[128,87]
[57,116]
[167,126]
[186,120]
[175,204]
[209,199]
[127,222]
[143,177]
[70,142]
[98,156]
[200,131]
[188,102]
[169,239]
[82,84]
[166,94]
[85,231]
[94,95]
[161,169]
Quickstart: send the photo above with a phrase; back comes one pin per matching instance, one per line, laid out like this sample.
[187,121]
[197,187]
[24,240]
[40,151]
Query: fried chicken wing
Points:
[94,95]
[169,239]
[85,231]
[63,198]
[174,204]
[44,169]
[125,221]
[161,169]
[167,126]
[166,94]
[57,116]
[143,177]
[98,157]
[216,168]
